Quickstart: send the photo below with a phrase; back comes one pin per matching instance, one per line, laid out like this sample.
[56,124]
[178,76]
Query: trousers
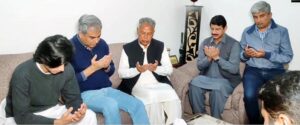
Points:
[219,90]
[253,79]
[160,99]
[109,101]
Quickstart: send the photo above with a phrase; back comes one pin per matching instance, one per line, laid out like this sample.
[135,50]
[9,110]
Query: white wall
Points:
[238,16]
[24,23]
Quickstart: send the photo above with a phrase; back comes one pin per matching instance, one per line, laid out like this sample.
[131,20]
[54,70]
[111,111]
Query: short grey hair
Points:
[87,21]
[146,20]
[261,6]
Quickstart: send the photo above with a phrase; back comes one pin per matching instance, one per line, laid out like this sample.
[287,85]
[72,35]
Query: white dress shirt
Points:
[146,77]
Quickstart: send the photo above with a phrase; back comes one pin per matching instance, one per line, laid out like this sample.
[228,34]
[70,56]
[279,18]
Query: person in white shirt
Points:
[144,67]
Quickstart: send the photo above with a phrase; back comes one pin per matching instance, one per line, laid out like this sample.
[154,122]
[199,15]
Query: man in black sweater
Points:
[37,85]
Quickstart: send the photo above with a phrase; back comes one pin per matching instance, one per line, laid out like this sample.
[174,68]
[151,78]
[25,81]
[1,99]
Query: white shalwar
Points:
[159,98]
[54,112]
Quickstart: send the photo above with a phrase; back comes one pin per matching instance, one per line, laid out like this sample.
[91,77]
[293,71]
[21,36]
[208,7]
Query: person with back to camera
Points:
[281,100]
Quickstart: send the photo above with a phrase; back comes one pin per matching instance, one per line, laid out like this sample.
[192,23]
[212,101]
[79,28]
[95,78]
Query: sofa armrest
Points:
[190,68]
[180,81]
[181,78]
[237,103]
[237,97]
[234,98]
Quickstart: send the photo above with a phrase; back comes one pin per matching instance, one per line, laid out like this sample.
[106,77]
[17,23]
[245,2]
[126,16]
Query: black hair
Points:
[218,20]
[54,51]
[279,93]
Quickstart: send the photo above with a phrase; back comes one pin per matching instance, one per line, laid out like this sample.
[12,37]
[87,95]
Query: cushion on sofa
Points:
[8,64]
[190,68]
[178,78]
[116,49]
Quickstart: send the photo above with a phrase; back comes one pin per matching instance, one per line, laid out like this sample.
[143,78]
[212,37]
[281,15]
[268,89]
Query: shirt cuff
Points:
[83,76]
[219,61]
[267,55]
[243,57]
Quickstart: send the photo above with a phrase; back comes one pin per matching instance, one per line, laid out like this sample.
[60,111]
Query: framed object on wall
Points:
[191,34]
[173,59]
[295,0]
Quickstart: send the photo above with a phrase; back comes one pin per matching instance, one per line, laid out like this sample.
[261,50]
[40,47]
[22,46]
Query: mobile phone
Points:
[251,47]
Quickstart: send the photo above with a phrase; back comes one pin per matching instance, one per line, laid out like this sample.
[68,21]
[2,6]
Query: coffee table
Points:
[204,119]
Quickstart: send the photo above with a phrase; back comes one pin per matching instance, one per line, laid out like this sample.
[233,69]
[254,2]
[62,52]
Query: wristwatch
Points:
[217,60]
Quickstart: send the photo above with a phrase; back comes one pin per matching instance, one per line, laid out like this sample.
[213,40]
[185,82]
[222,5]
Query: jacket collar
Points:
[252,28]
[224,39]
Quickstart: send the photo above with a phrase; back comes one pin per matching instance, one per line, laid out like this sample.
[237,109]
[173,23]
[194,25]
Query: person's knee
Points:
[139,103]
[216,94]
[193,82]
[249,95]
[193,88]
[250,99]
[111,106]
[249,78]
[190,84]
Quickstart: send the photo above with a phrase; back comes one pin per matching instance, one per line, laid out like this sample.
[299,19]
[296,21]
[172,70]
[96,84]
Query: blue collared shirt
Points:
[274,41]
[262,34]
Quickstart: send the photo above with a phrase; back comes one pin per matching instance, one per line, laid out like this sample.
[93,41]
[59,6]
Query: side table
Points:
[204,119]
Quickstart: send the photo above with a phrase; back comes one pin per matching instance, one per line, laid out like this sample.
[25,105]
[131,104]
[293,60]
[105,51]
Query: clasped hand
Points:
[68,117]
[101,63]
[252,53]
[151,66]
[211,52]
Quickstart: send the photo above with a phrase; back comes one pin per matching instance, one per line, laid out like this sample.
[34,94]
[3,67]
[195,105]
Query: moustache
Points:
[259,24]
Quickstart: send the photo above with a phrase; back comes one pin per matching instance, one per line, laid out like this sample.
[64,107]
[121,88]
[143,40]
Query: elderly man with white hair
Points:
[144,67]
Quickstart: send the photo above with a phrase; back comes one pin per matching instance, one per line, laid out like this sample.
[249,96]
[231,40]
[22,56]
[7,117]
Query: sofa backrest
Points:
[191,69]
[115,49]
[8,63]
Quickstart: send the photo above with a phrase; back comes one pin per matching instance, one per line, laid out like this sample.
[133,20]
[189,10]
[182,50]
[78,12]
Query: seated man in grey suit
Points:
[218,63]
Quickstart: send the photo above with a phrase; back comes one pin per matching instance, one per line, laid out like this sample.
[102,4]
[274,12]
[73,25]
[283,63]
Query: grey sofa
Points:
[10,61]
[234,111]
